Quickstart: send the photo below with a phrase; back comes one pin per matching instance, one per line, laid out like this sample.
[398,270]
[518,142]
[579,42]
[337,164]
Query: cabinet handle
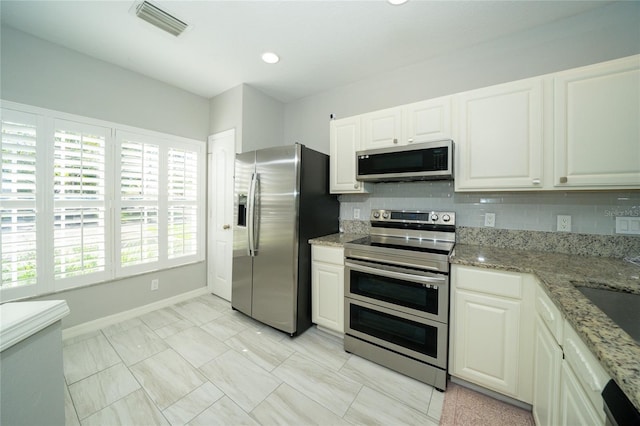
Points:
[226,227]
[395,140]
[356,185]
[563,179]
[410,140]
[536,181]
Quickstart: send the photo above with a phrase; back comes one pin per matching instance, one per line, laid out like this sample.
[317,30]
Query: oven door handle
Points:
[393,274]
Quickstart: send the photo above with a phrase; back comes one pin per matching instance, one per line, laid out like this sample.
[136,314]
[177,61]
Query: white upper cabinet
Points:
[382,128]
[500,137]
[576,129]
[418,122]
[597,125]
[344,141]
[428,120]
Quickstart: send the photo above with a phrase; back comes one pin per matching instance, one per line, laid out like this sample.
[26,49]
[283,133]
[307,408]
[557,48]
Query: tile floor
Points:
[199,362]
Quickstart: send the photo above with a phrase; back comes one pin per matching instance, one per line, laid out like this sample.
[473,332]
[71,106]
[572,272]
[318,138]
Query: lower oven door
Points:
[416,337]
[421,293]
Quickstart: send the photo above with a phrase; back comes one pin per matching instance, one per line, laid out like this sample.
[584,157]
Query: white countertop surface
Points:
[20,320]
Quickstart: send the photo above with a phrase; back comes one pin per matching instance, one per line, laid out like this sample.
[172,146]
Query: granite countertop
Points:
[618,353]
[336,240]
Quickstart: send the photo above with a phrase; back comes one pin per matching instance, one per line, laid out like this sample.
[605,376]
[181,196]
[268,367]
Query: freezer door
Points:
[275,285]
[242,272]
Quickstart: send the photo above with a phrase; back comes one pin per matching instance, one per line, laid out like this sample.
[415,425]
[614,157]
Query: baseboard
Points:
[331,332]
[103,322]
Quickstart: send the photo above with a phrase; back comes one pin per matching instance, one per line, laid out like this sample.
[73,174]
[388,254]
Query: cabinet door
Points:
[344,142]
[575,407]
[327,307]
[500,137]
[597,125]
[382,129]
[485,341]
[547,368]
[428,120]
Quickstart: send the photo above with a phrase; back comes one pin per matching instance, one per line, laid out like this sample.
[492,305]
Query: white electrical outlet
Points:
[628,225]
[564,223]
[490,219]
[356,213]
[154,285]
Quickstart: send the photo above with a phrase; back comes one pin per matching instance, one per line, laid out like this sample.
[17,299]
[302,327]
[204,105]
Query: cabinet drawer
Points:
[589,372]
[500,283]
[549,313]
[327,254]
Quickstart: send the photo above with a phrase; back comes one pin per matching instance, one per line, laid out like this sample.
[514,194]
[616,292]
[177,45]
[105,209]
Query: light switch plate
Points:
[564,223]
[356,213]
[490,220]
[628,225]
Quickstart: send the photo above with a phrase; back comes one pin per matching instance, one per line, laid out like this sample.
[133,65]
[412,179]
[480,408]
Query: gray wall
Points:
[262,120]
[39,73]
[603,34]
[225,112]
[257,117]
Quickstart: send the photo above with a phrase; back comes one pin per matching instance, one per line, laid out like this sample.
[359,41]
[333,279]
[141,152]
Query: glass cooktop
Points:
[412,244]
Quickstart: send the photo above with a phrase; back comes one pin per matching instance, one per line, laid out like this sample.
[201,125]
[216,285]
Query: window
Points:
[18,192]
[139,198]
[182,202]
[84,201]
[80,214]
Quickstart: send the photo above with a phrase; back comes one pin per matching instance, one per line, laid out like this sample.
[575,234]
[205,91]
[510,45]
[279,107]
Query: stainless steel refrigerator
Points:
[281,201]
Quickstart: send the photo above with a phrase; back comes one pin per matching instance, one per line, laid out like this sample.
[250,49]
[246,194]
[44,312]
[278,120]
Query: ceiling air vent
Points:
[161,19]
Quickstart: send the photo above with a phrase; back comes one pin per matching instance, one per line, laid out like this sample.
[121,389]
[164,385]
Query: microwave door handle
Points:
[393,274]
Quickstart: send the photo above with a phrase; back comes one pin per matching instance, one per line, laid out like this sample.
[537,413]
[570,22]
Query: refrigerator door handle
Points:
[251,214]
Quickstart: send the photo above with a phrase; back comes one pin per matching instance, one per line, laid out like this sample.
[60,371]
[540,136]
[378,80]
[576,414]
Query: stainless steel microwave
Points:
[424,161]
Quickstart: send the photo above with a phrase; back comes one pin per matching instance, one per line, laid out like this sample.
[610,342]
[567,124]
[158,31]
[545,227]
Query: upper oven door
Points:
[419,293]
[426,161]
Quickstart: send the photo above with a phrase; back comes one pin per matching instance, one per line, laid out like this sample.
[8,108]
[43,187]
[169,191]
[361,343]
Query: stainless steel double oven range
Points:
[397,293]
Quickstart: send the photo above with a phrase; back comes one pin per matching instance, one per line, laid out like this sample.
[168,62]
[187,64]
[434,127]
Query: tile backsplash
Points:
[592,212]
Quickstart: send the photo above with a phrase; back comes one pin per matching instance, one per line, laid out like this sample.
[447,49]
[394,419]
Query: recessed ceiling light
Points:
[270,57]
[397,2]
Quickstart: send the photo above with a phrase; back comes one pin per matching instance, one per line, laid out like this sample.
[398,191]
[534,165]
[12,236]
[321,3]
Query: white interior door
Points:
[221,157]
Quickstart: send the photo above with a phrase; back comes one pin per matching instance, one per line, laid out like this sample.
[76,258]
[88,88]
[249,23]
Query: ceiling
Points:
[322,44]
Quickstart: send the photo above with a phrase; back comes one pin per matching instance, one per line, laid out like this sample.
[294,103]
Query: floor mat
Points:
[465,407]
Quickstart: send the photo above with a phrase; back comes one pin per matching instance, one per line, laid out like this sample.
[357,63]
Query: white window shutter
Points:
[18,192]
[79,200]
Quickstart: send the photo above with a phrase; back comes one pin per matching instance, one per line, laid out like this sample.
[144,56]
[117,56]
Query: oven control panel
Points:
[413,216]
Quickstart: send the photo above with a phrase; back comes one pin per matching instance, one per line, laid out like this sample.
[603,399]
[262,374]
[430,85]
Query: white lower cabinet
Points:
[327,287]
[506,335]
[492,329]
[548,361]
[583,380]
[547,367]
[575,408]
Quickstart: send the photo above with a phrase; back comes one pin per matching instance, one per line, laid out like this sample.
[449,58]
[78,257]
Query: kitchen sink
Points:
[622,307]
